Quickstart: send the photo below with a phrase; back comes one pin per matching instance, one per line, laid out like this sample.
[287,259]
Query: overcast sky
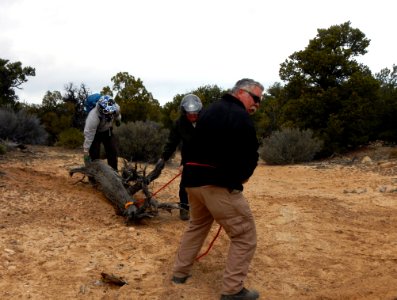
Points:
[175,46]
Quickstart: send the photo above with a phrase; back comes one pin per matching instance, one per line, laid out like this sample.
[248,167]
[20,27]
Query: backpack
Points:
[90,102]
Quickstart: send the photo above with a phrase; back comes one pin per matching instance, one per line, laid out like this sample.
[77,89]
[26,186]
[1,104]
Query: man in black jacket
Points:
[181,134]
[222,157]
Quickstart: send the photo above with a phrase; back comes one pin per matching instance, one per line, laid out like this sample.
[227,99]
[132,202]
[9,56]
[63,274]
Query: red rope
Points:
[164,186]
[210,246]
[220,227]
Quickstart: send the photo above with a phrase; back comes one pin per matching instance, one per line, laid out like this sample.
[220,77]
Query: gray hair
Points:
[246,82]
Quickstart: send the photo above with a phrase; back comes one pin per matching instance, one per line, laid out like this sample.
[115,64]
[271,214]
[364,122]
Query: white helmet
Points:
[191,104]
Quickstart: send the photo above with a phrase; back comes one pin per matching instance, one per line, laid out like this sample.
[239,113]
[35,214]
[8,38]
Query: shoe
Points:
[180,280]
[184,214]
[244,294]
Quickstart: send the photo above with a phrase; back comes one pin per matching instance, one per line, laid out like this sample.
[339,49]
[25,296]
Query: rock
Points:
[387,189]
[355,191]
[9,251]
[366,160]
[389,164]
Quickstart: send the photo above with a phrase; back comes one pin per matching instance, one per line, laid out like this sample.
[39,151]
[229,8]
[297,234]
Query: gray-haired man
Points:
[223,156]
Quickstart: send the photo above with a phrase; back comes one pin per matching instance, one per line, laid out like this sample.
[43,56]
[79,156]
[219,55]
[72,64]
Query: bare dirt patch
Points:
[327,230]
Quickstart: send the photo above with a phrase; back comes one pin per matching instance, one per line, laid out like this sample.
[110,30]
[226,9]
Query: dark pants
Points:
[110,144]
[183,199]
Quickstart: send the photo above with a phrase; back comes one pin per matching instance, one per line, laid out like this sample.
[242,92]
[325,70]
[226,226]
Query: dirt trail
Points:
[326,230]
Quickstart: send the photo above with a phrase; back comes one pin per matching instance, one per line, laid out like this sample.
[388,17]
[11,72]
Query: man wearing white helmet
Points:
[99,130]
[181,134]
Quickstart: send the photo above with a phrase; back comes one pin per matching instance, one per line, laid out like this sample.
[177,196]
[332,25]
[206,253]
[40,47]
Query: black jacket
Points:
[224,148]
[181,133]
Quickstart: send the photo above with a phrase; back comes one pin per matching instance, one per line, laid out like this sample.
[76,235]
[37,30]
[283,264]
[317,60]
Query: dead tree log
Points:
[111,185]
[139,179]
[120,190]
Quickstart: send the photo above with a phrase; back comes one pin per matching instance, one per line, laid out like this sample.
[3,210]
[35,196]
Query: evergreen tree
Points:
[329,92]
[136,103]
[12,76]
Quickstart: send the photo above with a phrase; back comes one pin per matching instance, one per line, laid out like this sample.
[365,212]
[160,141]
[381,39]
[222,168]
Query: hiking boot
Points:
[184,214]
[179,280]
[244,294]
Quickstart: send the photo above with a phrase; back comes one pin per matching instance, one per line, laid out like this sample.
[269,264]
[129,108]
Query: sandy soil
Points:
[327,230]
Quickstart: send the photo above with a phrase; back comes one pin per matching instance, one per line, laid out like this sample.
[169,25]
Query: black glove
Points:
[160,164]
[118,123]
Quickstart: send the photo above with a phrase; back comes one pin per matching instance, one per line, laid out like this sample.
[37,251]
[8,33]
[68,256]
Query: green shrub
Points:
[393,154]
[289,146]
[71,138]
[21,127]
[141,141]
[3,149]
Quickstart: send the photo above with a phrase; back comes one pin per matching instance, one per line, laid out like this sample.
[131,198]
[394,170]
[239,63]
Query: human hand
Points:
[86,158]
[160,164]
[118,123]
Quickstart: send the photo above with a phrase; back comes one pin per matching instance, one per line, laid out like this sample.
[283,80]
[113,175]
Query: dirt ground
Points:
[326,230]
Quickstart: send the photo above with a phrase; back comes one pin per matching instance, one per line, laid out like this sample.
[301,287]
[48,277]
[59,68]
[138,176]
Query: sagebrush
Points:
[3,149]
[71,138]
[289,146]
[141,141]
[21,127]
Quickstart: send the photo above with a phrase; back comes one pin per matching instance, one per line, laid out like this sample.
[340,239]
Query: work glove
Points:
[160,164]
[118,123]
[87,158]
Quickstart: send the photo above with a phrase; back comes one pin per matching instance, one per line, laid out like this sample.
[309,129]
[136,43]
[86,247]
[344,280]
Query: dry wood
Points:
[113,279]
[120,190]
[111,185]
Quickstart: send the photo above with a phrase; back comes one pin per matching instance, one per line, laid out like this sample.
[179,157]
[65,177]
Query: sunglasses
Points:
[256,98]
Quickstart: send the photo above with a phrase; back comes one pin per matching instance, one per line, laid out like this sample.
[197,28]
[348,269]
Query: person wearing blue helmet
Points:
[98,130]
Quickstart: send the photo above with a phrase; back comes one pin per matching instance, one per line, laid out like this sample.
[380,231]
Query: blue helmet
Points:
[106,105]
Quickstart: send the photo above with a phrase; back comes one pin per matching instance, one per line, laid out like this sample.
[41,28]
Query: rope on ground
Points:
[220,227]
[210,246]
[164,186]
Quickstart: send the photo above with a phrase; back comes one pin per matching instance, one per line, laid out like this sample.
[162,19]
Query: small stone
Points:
[9,251]
[366,160]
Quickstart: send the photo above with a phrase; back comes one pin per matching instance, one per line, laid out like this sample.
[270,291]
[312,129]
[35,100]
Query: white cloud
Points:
[175,46]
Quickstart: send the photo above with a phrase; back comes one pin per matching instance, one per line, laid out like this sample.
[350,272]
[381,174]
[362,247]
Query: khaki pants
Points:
[232,212]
